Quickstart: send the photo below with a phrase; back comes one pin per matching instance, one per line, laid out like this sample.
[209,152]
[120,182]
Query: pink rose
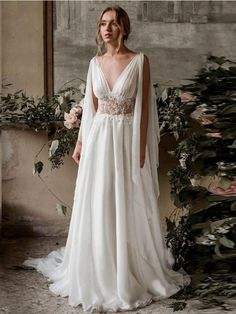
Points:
[76,110]
[71,119]
[68,125]
[186,96]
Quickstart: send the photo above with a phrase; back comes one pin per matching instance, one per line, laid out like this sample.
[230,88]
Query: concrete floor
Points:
[26,291]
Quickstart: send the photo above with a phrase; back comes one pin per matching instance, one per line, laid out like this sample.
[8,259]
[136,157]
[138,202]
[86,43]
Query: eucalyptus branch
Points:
[54,194]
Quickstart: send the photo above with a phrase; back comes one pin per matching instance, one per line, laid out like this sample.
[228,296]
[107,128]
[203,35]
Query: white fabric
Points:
[115,258]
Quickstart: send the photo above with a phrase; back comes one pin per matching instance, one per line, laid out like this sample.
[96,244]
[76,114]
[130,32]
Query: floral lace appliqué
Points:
[116,105]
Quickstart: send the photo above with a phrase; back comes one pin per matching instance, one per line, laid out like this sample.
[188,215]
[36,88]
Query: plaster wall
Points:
[28,207]
[28,202]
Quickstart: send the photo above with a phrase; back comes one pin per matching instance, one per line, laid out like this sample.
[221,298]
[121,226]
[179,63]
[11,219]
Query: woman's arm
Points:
[144,114]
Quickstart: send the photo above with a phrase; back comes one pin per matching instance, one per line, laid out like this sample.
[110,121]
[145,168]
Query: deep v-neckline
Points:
[120,75]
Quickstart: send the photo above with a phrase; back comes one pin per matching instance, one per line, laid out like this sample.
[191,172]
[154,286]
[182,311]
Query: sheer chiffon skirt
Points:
[115,258]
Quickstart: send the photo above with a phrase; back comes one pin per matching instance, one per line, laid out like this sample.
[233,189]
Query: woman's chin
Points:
[108,40]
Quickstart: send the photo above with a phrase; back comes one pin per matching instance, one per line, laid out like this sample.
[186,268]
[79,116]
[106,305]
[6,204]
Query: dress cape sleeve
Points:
[153,132]
[88,108]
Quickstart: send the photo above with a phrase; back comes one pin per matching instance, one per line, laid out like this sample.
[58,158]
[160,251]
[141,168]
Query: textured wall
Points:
[28,206]
[176,35]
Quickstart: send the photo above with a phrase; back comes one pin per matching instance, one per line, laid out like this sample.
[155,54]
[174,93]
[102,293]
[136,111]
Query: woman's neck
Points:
[112,50]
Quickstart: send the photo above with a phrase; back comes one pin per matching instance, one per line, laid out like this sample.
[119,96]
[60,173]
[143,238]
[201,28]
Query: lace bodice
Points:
[116,105]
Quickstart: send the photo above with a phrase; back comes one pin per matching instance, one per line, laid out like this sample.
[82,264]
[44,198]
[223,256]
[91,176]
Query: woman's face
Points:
[109,28]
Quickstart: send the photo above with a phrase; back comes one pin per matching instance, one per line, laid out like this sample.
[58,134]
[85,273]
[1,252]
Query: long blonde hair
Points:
[123,22]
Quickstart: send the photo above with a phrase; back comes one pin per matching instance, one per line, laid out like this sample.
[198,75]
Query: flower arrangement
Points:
[49,114]
[73,118]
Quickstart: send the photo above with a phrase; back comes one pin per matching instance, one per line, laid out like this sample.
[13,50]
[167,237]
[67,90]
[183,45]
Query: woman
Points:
[115,258]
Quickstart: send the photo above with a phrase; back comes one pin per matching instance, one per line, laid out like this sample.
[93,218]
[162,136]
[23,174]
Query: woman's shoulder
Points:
[139,54]
[130,54]
[93,58]
[142,55]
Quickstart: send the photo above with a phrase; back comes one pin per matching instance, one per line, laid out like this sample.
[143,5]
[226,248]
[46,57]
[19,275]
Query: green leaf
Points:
[224,183]
[220,222]
[230,109]
[164,94]
[233,206]
[226,242]
[229,134]
[176,135]
[224,256]
[217,250]
[203,225]
[178,306]
[218,60]
[218,198]
[38,167]
[170,225]
[61,209]
[53,147]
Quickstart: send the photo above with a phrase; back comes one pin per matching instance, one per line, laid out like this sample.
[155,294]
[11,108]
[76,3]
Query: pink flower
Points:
[207,119]
[72,119]
[186,96]
[68,125]
[77,123]
[216,134]
[220,191]
[76,110]
[231,190]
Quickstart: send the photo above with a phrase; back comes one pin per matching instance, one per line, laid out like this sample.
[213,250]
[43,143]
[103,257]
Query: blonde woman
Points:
[115,258]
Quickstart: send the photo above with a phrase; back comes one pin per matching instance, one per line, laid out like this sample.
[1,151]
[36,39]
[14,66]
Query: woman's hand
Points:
[142,157]
[77,152]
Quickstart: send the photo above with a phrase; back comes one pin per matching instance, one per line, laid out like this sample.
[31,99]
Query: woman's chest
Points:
[124,85]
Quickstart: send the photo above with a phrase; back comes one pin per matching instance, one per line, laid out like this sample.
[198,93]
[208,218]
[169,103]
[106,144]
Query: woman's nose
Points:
[108,27]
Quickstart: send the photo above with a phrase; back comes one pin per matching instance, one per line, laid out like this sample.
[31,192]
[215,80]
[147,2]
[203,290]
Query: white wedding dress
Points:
[115,258]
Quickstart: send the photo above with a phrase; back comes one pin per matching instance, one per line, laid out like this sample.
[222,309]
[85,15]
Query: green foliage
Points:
[181,241]
[178,306]
[44,113]
[38,167]
[172,117]
[203,240]
[67,139]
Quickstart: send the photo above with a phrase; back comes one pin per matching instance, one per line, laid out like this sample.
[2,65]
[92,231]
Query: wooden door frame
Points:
[48,48]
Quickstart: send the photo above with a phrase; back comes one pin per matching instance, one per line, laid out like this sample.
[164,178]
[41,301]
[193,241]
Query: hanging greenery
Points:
[59,116]
[203,185]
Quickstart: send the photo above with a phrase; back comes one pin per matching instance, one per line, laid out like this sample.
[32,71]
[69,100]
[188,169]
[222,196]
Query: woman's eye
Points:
[115,24]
